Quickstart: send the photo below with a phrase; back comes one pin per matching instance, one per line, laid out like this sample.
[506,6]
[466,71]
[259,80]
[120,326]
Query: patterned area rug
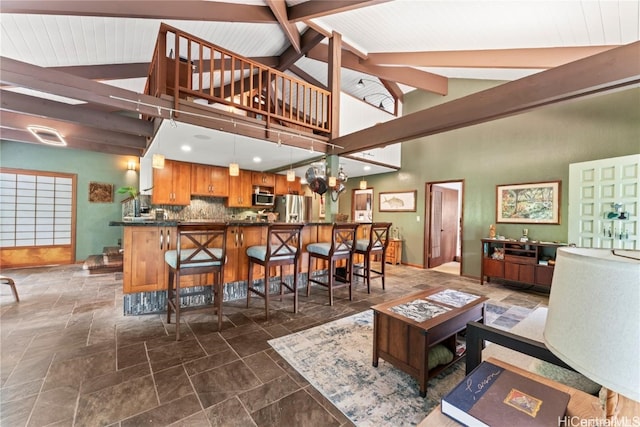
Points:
[336,359]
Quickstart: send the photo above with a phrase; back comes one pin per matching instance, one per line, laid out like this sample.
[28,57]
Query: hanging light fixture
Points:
[234,168]
[363,184]
[157,161]
[332,181]
[291,174]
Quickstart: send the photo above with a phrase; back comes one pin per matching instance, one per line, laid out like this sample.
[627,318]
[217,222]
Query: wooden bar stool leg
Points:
[266,291]
[177,305]
[218,295]
[249,282]
[295,288]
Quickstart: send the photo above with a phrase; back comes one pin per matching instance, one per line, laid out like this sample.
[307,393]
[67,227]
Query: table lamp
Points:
[593,321]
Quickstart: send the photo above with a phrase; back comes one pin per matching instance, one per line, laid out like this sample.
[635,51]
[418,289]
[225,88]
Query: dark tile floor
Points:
[69,356]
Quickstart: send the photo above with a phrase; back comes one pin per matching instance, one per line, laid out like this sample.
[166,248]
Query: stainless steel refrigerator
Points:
[292,208]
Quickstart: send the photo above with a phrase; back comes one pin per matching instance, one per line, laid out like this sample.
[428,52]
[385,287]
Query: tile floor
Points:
[70,358]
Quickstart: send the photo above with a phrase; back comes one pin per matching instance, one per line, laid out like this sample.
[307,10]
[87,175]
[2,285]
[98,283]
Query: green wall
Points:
[92,219]
[529,147]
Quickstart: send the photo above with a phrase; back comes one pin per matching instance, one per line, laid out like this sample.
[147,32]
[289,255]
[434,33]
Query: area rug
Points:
[336,359]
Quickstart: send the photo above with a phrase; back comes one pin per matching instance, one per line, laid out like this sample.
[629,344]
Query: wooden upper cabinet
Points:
[285,187]
[172,184]
[207,180]
[240,190]
[263,179]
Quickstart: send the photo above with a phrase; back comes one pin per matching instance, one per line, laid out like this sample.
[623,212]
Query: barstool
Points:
[282,248]
[9,281]
[376,244]
[200,249]
[341,247]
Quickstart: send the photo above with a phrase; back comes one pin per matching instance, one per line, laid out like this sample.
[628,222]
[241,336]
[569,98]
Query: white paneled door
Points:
[604,197]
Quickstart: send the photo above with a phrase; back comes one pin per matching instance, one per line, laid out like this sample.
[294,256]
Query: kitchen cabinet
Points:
[239,238]
[262,179]
[240,190]
[209,180]
[394,252]
[524,262]
[144,268]
[143,258]
[172,184]
[285,187]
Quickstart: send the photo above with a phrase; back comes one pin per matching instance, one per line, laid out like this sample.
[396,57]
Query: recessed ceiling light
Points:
[367,168]
[186,148]
[257,159]
[47,135]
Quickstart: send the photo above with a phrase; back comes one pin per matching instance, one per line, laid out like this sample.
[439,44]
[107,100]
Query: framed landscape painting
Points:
[531,203]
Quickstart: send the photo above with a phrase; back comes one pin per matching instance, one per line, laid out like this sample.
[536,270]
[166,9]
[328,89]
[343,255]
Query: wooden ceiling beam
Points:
[187,10]
[107,71]
[279,10]
[609,70]
[30,76]
[78,114]
[310,39]
[72,142]
[529,58]
[317,9]
[406,75]
[17,120]
[345,44]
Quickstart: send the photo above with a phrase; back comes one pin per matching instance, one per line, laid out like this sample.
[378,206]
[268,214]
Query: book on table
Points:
[494,396]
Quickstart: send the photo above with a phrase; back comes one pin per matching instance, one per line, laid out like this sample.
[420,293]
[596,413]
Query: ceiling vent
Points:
[47,135]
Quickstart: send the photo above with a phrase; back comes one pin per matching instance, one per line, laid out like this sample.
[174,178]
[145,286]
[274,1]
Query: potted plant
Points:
[133,195]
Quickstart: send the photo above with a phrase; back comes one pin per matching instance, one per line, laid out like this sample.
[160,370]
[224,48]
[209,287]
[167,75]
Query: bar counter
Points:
[145,273]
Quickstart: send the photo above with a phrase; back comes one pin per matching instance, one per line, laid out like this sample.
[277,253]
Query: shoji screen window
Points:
[37,211]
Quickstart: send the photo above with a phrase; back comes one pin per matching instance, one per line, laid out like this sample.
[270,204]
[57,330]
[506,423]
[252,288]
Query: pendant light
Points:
[363,184]
[157,161]
[234,168]
[291,174]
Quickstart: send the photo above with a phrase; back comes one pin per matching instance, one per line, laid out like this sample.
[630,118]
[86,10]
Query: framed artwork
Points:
[99,192]
[399,201]
[531,203]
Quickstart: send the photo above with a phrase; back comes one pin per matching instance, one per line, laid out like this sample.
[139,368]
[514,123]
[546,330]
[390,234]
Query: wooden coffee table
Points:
[406,328]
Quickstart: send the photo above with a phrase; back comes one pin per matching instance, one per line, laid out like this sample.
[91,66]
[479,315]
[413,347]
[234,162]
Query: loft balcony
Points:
[207,81]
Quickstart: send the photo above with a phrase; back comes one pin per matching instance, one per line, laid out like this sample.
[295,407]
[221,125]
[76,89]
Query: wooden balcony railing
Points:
[206,71]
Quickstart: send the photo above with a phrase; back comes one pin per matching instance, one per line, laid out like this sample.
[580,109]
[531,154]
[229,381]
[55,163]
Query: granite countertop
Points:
[175,223]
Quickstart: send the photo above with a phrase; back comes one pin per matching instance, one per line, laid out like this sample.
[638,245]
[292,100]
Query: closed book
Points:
[494,396]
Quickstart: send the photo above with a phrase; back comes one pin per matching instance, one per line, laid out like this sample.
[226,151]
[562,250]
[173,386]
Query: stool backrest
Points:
[379,236]
[201,245]
[283,240]
[343,238]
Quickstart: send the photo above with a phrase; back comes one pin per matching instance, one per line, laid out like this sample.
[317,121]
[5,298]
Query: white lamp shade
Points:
[363,185]
[332,181]
[234,169]
[593,321]
[291,175]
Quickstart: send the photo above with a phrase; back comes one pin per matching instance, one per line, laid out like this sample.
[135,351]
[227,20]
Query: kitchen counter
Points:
[233,223]
[145,273]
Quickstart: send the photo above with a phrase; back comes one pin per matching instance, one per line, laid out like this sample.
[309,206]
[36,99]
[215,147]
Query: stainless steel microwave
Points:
[263,199]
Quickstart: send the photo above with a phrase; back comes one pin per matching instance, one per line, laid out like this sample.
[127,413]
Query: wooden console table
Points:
[524,262]
[405,342]
[583,406]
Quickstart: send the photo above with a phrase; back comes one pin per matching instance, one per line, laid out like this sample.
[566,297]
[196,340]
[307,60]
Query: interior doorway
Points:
[443,225]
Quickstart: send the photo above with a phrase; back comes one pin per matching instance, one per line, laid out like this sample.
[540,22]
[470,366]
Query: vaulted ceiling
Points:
[66,64]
